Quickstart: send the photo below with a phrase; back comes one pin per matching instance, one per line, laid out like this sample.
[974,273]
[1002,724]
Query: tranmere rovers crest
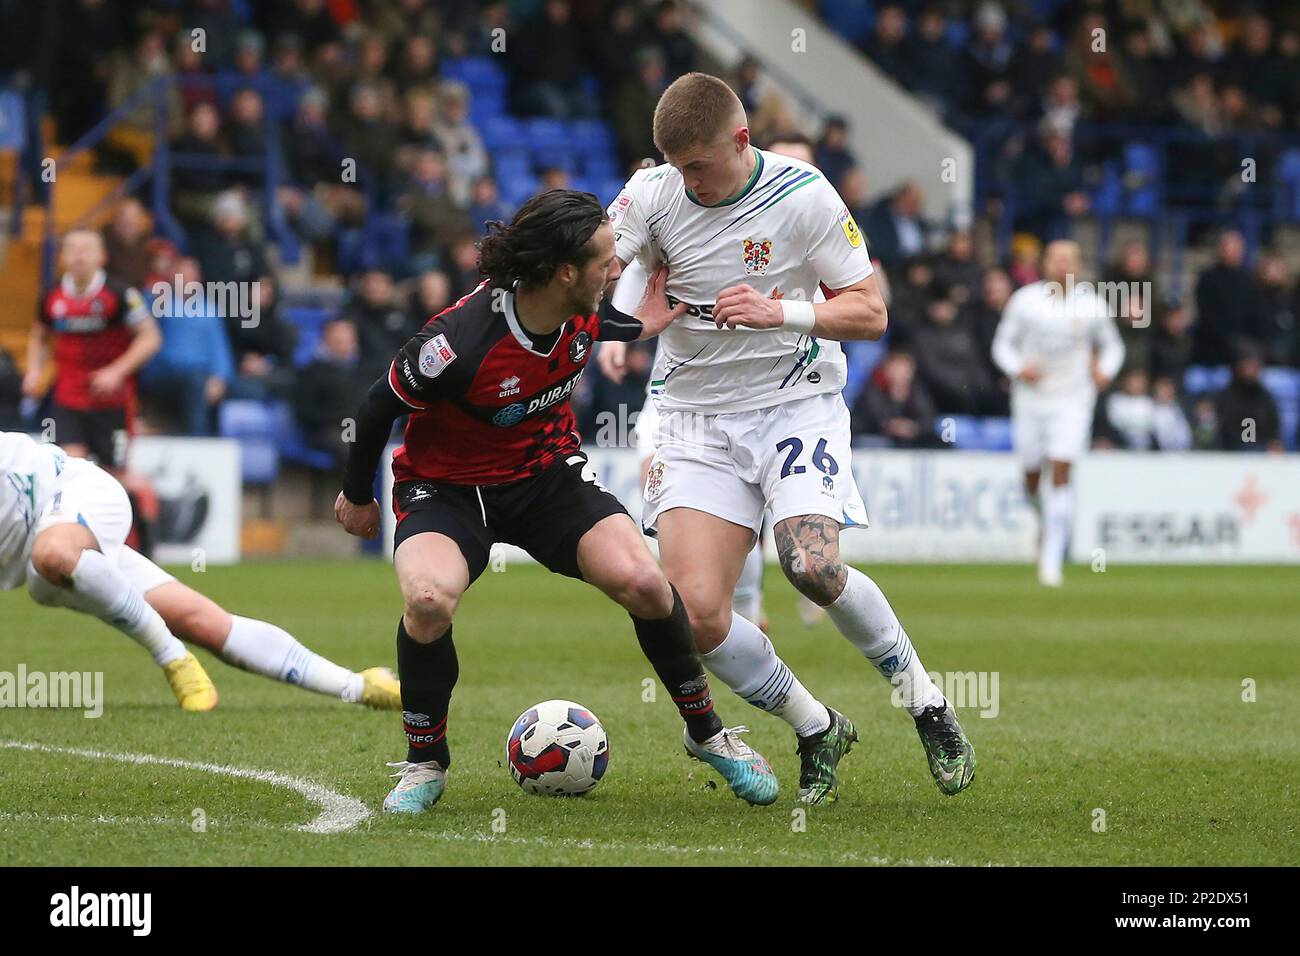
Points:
[758,255]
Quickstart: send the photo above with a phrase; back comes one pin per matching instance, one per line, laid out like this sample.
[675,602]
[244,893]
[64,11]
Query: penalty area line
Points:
[338,812]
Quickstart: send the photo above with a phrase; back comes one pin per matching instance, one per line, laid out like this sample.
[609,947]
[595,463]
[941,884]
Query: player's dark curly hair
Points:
[550,230]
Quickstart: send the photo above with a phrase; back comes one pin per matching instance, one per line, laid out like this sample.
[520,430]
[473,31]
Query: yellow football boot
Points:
[191,684]
[382,690]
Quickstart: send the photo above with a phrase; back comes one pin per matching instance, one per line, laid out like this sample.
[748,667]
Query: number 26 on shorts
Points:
[821,459]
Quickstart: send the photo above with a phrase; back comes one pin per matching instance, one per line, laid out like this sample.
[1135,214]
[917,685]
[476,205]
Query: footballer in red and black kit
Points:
[492,453]
[99,332]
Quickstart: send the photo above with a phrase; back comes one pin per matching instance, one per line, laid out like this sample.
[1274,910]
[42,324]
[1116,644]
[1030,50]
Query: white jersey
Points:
[787,234]
[1057,329]
[29,477]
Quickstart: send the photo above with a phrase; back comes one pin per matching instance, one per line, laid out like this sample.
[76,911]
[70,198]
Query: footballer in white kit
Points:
[63,527]
[747,384]
[1058,343]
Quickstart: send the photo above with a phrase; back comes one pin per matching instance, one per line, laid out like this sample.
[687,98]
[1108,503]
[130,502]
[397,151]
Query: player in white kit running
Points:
[748,385]
[1058,344]
[63,528]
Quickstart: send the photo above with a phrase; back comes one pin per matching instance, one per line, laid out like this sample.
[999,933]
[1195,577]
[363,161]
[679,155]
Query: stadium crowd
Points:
[320,84]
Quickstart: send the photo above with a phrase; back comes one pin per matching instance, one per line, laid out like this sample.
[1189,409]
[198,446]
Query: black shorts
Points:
[98,430]
[546,515]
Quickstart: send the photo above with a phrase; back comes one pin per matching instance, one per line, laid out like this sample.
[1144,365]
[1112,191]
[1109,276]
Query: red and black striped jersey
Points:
[91,330]
[490,402]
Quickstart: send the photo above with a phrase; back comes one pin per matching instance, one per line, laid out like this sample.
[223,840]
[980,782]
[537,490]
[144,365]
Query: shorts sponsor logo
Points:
[851,231]
[435,355]
[757,254]
[654,481]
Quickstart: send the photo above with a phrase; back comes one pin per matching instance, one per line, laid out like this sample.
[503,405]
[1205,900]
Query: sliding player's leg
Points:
[433,571]
[253,645]
[78,540]
[612,556]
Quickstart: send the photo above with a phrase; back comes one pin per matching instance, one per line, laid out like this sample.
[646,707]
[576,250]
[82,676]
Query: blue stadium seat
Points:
[502,131]
[1108,199]
[253,425]
[542,132]
[476,72]
[293,445]
[591,134]
[388,234]
[13,122]
[1284,385]
[559,157]
[966,431]
[511,164]
[1143,172]
[1199,379]
[995,433]
[486,105]
[851,19]
[599,165]
[609,188]
[309,321]
[516,189]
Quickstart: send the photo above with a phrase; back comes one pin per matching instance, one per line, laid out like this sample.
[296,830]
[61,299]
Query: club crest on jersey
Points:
[509,386]
[758,256]
[654,481]
[579,347]
[851,231]
[435,355]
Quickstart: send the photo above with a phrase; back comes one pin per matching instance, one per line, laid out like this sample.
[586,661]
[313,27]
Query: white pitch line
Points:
[338,813]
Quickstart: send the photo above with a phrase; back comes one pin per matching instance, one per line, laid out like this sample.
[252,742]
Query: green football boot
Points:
[951,757]
[819,755]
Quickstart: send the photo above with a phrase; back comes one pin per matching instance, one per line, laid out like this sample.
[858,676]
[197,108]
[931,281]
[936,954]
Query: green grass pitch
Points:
[1121,693]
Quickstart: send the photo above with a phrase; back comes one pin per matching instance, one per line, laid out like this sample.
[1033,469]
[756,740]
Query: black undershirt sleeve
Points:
[379,409]
[616,326]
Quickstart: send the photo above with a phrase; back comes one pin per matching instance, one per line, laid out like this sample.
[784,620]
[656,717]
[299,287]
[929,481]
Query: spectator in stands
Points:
[1169,426]
[328,387]
[1205,424]
[227,252]
[983,315]
[987,63]
[1277,307]
[668,32]
[382,325]
[467,158]
[1060,106]
[853,187]
[1034,69]
[308,19]
[913,290]
[1026,253]
[126,241]
[608,46]
[429,295]
[1131,270]
[1224,294]
[194,187]
[417,64]
[370,70]
[220,25]
[1051,187]
[895,404]
[192,75]
[1099,68]
[370,137]
[950,364]
[246,135]
[1125,417]
[486,205]
[313,154]
[929,64]
[553,177]
[1146,77]
[834,158]
[956,270]
[1172,342]
[289,77]
[548,73]
[634,107]
[11,394]
[462,269]
[435,218]
[250,59]
[132,70]
[886,47]
[894,226]
[1248,416]
[192,370]
[262,350]
[416,131]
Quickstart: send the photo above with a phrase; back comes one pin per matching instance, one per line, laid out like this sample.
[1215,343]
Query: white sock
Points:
[747,663]
[1058,516]
[104,591]
[864,616]
[273,652]
[747,599]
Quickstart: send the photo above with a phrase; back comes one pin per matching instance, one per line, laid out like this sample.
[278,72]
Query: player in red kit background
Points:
[99,333]
[492,453]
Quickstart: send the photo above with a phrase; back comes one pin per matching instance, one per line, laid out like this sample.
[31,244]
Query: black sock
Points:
[428,673]
[670,648]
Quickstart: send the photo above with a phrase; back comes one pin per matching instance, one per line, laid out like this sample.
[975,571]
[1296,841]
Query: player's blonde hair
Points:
[696,110]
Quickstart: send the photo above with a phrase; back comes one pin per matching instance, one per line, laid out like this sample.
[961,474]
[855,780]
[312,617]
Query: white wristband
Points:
[799,315]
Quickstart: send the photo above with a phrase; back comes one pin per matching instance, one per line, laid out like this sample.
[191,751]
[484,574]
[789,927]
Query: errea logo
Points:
[509,386]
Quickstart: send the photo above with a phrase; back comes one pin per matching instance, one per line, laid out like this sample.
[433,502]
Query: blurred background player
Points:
[63,528]
[1059,345]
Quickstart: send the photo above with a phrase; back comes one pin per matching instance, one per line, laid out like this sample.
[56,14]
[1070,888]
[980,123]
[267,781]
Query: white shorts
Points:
[647,424]
[1052,433]
[91,497]
[789,460]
